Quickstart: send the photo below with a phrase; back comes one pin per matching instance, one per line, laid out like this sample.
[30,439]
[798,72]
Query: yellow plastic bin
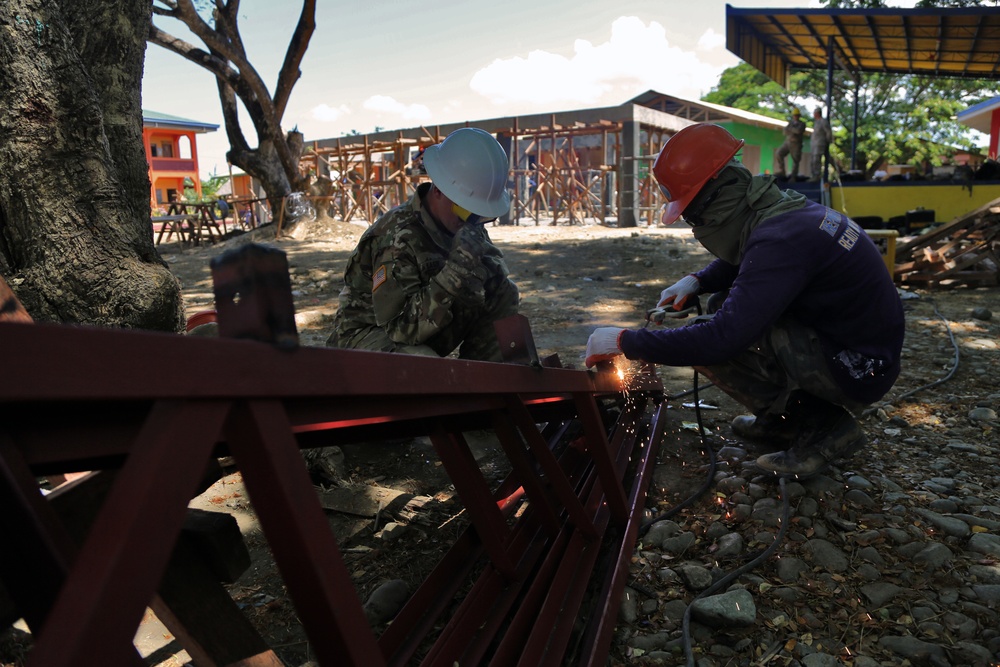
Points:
[885,240]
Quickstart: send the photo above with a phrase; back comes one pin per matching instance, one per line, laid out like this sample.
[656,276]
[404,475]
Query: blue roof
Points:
[978,116]
[157,119]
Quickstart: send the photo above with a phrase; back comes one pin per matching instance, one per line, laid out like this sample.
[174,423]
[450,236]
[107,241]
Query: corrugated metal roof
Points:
[704,112]
[961,43]
[157,119]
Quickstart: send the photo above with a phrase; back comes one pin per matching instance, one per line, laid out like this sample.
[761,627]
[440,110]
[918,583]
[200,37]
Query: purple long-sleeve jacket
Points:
[815,265]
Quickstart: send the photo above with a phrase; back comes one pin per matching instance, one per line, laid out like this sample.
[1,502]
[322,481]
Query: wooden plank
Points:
[947,228]
[171,218]
[201,614]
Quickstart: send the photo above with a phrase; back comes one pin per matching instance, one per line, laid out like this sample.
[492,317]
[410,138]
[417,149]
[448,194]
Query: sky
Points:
[405,63]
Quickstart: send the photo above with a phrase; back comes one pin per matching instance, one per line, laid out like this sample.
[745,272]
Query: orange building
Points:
[172,155]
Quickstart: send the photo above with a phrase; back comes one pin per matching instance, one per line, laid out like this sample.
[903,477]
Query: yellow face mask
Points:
[467,216]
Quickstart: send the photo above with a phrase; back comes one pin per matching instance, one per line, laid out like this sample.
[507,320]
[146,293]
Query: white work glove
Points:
[679,292]
[603,345]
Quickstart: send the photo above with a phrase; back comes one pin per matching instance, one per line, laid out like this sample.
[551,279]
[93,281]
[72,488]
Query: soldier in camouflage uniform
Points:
[794,133]
[425,278]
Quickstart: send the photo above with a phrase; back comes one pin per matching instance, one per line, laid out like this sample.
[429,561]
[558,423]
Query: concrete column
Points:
[629,183]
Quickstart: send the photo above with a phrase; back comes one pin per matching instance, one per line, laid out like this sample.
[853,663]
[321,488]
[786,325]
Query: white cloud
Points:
[325,112]
[389,105]
[635,58]
[712,40]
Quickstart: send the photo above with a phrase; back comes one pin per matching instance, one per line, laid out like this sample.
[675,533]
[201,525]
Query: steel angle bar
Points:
[299,535]
[531,614]
[473,626]
[475,494]
[231,369]
[548,464]
[545,605]
[491,595]
[599,448]
[37,549]
[550,634]
[597,639]
[98,608]
[438,591]
[525,472]
[420,613]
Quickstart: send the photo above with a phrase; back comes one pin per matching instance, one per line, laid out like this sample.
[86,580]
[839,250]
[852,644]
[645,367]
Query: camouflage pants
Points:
[787,359]
[470,330]
[788,148]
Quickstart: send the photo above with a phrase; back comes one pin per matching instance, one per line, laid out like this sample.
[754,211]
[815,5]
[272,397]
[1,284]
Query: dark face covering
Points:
[729,207]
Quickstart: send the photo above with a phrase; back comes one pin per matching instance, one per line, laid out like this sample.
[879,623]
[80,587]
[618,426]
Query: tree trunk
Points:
[275,162]
[263,162]
[323,190]
[76,243]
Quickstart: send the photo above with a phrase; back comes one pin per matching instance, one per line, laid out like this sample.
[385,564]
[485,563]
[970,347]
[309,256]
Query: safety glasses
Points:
[469,217]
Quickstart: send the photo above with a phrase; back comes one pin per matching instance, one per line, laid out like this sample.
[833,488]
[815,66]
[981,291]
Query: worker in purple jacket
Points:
[812,326]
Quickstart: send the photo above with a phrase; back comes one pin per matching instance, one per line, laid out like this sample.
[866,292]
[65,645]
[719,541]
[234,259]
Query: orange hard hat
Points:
[689,160]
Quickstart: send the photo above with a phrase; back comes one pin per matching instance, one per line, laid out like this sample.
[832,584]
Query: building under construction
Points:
[565,167]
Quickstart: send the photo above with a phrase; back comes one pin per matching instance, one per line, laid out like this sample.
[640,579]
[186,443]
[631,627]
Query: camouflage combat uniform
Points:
[794,132]
[407,289]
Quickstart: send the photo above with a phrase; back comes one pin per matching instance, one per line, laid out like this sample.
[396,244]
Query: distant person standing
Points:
[822,136]
[794,132]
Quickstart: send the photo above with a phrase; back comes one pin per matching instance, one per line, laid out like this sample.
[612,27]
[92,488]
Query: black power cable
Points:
[954,366]
[783,529]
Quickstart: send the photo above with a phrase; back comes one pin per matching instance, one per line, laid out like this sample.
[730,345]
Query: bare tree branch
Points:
[290,72]
[274,160]
[213,64]
[231,118]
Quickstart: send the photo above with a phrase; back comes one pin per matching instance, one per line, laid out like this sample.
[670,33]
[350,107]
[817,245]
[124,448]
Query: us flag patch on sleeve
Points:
[378,278]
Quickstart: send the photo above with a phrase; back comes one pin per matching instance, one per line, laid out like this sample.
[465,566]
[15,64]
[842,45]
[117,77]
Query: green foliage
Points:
[746,87]
[209,189]
[901,119]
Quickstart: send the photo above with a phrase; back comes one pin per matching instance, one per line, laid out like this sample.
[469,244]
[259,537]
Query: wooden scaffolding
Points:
[561,172]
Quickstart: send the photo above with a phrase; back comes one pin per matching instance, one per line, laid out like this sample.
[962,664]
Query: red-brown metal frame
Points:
[160,406]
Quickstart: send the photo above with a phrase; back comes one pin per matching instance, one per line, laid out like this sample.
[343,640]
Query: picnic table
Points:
[245,212]
[191,222]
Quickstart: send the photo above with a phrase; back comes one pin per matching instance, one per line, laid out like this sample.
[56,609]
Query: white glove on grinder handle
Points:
[679,292]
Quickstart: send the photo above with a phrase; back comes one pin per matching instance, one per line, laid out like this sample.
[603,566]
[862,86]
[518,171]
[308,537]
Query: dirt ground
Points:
[572,278]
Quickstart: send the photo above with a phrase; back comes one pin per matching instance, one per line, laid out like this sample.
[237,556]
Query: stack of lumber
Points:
[962,252]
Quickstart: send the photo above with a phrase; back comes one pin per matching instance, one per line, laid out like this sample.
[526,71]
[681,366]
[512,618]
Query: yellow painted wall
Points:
[888,200]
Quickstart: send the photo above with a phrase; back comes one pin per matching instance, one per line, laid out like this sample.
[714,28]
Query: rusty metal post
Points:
[253,295]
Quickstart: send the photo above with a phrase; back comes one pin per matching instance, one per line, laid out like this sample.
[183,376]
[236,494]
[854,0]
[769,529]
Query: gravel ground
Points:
[892,558]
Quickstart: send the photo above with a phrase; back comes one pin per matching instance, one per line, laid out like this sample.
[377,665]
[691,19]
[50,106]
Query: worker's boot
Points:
[767,427]
[828,434]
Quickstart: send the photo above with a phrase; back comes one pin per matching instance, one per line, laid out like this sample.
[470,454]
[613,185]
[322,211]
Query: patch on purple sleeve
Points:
[830,224]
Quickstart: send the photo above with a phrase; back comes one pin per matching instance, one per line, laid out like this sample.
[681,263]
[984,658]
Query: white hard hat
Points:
[470,168]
